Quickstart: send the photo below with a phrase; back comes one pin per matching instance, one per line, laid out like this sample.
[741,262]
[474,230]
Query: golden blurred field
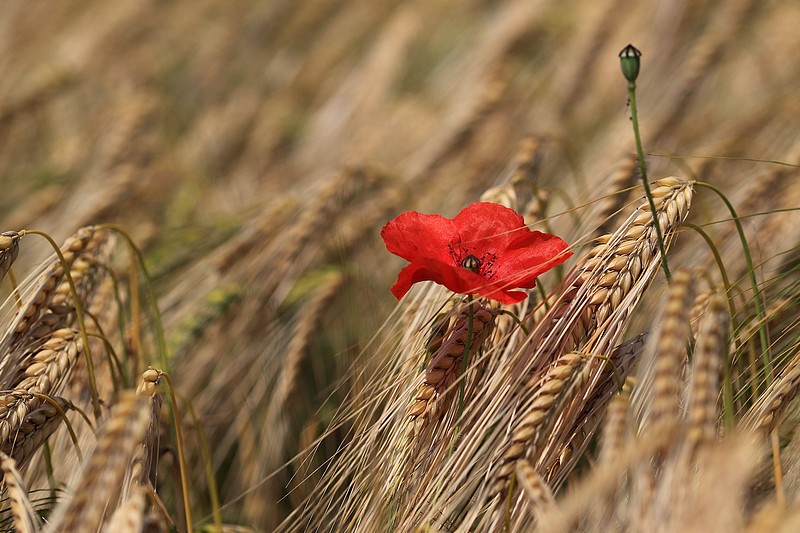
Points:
[253,151]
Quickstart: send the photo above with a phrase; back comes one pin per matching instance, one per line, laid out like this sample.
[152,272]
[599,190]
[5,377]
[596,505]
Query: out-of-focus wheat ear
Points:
[276,426]
[445,365]
[25,518]
[706,51]
[616,433]
[616,426]
[9,248]
[562,381]
[517,191]
[307,324]
[103,473]
[790,465]
[145,461]
[671,354]
[710,351]
[460,134]
[129,516]
[535,488]
[774,517]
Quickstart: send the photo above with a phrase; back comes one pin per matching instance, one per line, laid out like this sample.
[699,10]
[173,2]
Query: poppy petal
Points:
[412,235]
[459,280]
[507,254]
[529,256]
[489,226]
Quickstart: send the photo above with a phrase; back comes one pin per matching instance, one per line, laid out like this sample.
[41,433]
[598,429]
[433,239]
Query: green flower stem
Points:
[643,172]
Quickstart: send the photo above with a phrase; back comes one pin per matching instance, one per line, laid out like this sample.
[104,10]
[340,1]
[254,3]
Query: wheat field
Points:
[214,345]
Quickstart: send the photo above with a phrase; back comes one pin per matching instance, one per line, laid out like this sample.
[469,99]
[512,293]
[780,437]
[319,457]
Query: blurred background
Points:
[254,150]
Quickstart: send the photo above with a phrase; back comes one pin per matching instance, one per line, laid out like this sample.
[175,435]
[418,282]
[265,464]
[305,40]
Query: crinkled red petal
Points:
[529,256]
[488,226]
[455,278]
[413,235]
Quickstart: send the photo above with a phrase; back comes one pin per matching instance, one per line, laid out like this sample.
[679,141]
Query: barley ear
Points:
[25,518]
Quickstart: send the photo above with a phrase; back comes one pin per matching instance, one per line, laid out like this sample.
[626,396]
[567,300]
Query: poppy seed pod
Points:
[629,61]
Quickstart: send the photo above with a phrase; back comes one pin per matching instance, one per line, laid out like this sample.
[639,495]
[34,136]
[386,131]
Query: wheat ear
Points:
[671,353]
[103,473]
[25,518]
[557,386]
[9,248]
[445,365]
[711,349]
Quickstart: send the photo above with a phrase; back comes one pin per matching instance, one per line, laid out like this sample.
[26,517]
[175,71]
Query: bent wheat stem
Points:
[159,326]
[762,334]
[79,318]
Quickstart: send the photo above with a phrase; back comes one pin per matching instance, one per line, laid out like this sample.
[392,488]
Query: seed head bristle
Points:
[616,424]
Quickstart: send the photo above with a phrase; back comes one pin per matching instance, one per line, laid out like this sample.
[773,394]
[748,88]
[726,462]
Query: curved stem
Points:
[762,334]
[162,344]
[79,318]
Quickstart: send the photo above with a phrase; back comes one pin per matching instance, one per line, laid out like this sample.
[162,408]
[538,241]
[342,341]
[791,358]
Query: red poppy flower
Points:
[486,250]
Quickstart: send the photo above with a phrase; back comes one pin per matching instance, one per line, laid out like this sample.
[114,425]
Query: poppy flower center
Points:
[471,263]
